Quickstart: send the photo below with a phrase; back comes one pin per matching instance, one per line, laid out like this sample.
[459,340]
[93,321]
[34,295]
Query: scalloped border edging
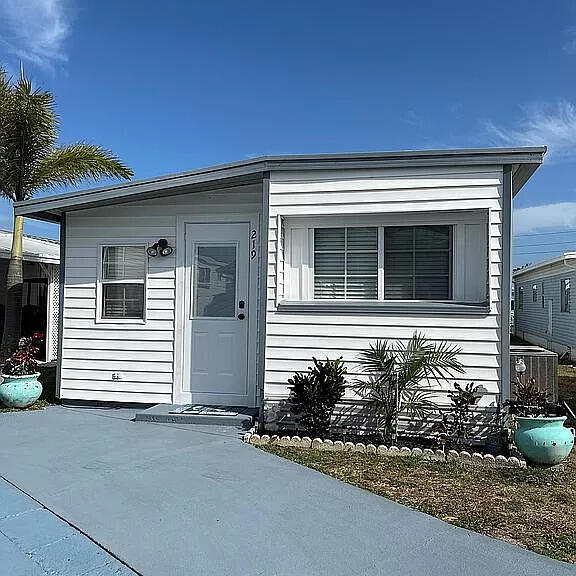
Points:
[339,446]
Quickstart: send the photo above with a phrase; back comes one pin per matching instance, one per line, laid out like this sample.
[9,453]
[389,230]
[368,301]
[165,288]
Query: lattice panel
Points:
[54,312]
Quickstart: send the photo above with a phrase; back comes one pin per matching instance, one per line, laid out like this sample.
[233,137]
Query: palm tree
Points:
[395,376]
[31,161]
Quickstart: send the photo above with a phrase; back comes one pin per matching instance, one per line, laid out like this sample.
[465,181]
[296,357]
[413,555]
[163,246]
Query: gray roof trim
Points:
[52,207]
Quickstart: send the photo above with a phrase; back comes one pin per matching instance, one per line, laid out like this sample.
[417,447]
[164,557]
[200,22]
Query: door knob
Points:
[241,316]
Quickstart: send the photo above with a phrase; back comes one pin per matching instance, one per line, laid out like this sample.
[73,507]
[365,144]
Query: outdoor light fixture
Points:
[161,247]
[520,366]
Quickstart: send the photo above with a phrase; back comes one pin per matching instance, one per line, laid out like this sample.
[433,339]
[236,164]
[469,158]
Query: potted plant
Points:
[540,434]
[20,387]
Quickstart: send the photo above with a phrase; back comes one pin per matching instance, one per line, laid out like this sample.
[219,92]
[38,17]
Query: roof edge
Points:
[546,263]
[50,208]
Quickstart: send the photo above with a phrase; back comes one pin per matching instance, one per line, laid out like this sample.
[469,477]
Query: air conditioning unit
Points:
[541,364]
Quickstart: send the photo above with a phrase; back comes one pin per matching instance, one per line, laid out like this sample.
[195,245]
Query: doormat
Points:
[201,410]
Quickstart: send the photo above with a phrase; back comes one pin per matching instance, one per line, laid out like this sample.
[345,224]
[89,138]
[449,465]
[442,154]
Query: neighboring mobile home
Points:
[271,261]
[544,313]
[41,271]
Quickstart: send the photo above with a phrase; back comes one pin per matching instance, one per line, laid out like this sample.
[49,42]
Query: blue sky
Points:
[172,86]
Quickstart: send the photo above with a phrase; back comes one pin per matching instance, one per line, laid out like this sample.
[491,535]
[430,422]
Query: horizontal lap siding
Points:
[533,319]
[143,353]
[293,338]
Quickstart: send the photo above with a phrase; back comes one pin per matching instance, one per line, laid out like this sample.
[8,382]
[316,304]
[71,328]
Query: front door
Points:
[217,262]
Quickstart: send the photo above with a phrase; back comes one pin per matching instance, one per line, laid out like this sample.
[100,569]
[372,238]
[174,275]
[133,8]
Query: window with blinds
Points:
[122,278]
[418,263]
[565,295]
[346,263]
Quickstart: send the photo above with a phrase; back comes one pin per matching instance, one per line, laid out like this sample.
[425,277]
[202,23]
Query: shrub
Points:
[23,361]
[529,400]
[395,376]
[313,395]
[454,428]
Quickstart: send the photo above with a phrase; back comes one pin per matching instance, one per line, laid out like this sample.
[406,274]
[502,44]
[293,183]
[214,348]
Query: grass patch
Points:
[567,388]
[39,405]
[533,508]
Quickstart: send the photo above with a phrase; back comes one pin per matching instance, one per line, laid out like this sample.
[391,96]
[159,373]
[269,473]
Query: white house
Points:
[544,313]
[271,261]
[41,271]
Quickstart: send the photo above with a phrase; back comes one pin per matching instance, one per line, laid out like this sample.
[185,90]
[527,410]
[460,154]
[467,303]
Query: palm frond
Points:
[70,164]
[29,157]
[376,358]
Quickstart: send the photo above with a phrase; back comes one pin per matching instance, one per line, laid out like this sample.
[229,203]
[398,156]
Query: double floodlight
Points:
[161,248]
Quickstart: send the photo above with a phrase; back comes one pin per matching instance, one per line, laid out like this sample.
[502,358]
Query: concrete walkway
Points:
[35,542]
[172,500]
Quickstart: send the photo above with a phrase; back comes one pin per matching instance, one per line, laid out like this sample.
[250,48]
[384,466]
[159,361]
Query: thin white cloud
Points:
[35,30]
[570,43]
[560,216]
[553,125]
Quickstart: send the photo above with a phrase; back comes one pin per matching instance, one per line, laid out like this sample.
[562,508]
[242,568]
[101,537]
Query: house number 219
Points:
[252,244]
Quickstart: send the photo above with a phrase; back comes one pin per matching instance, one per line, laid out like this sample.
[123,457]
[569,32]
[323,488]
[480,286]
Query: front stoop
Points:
[237,416]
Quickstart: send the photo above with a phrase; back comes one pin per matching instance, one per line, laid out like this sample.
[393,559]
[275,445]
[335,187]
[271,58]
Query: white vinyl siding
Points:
[142,352]
[467,199]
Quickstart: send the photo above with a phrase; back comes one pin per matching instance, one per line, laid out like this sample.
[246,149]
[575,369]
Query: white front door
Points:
[217,309]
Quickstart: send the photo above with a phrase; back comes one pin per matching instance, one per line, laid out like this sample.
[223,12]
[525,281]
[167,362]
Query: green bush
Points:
[398,378]
[315,394]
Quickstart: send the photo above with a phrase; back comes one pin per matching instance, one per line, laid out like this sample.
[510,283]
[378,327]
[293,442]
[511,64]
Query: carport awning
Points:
[34,248]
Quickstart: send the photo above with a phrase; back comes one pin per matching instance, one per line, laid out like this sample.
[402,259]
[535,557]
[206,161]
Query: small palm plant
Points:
[31,161]
[396,374]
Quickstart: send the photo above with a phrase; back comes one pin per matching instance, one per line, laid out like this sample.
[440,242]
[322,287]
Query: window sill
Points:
[120,321]
[385,307]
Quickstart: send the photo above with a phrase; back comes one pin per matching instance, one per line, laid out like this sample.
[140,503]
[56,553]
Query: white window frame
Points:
[99,284]
[299,267]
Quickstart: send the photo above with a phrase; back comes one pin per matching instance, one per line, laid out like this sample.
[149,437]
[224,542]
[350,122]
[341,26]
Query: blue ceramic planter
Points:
[20,391]
[544,440]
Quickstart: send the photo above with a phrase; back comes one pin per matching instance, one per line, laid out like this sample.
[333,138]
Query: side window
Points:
[565,295]
[122,281]
[543,298]
[521,298]
[534,293]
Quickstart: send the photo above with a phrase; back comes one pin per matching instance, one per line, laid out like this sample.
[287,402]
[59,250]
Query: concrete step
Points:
[239,417]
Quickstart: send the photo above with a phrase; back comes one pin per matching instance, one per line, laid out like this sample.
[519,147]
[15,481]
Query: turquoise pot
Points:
[544,440]
[20,391]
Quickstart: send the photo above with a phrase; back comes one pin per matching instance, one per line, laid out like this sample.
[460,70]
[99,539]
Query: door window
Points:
[214,291]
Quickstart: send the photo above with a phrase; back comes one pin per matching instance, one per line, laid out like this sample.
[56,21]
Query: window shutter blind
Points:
[123,275]
[417,263]
[346,263]
[123,263]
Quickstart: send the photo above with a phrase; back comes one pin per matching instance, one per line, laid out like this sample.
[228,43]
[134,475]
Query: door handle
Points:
[241,316]
[241,304]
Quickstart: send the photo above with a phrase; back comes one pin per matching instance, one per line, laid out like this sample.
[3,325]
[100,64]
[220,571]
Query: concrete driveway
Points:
[173,500]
